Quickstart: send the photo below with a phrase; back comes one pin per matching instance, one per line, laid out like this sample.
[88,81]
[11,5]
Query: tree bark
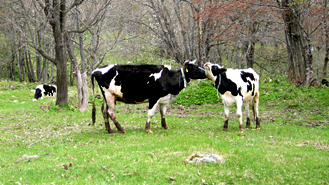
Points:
[326,38]
[57,21]
[299,50]
[82,87]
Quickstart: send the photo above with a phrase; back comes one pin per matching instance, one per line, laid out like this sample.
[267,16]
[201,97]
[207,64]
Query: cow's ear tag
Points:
[186,70]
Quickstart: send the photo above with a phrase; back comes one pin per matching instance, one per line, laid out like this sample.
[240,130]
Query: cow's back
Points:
[135,83]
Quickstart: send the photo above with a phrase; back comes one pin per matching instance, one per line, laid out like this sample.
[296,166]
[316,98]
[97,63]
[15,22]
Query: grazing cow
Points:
[44,89]
[325,82]
[236,86]
[134,84]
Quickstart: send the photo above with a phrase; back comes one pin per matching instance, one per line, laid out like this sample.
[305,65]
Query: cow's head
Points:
[213,70]
[193,71]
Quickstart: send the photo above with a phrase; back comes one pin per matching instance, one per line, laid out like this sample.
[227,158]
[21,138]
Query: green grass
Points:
[292,146]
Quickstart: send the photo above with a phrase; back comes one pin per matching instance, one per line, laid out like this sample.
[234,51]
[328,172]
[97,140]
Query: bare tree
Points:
[326,36]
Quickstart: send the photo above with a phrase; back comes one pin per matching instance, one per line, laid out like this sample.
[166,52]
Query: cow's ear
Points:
[222,70]
[217,71]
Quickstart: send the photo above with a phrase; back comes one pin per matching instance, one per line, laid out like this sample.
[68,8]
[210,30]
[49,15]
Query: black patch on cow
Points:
[325,82]
[138,82]
[192,71]
[226,85]
[245,75]
[253,90]
[239,91]
[38,94]
[249,86]
[49,90]
[215,70]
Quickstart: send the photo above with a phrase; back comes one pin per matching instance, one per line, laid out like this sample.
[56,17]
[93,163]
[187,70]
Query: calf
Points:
[44,90]
[236,86]
[134,84]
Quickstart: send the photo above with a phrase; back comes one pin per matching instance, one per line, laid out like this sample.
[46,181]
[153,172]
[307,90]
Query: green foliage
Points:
[47,144]
[197,93]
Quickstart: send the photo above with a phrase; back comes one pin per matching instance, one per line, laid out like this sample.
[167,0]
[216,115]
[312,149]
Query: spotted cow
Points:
[44,90]
[325,82]
[134,84]
[236,86]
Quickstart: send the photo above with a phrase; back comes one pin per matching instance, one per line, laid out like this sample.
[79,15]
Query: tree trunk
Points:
[19,61]
[71,72]
[250,54]
[1,74]
[299,50]
[58,27]
[38,66]
[83,87]
[45,70]
[326,38]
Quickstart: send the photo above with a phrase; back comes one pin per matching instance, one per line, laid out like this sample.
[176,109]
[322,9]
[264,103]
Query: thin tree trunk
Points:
[1,74]
[45,70]
[83,87]
[19,61]
[12,63]
[250,54]
[29,60]
[326,38]
[71,73]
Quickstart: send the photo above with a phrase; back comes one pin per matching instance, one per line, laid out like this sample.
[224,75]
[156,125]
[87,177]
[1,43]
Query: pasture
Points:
[46,144]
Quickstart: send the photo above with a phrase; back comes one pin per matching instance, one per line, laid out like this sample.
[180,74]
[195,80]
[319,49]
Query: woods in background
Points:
[61,40]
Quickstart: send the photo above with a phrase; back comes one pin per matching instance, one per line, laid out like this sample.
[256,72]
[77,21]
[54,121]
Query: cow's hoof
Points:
[122,131]
[241,131]
[257,127]
[166,127]
[149,131]
[224,129]
[110,131]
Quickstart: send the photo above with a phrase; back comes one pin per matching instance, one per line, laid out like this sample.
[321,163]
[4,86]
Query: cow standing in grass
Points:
[325,82]
[134,84]
[236,86]
[44,90]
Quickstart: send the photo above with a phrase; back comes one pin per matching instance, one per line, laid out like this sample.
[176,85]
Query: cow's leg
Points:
[163,110]
[239,104]
[248,115]
[111,110]
[255,109]
[227,114]
[106,117]
[150,114]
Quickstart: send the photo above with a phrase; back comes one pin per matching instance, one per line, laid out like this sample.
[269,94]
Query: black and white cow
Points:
[236,86]
[134,84]
[41,90]
[325,82]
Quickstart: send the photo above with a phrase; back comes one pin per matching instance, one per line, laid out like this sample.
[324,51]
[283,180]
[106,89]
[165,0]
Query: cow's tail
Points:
[94,107]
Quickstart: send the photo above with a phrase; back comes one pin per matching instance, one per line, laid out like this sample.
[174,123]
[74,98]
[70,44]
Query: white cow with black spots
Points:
[236,86]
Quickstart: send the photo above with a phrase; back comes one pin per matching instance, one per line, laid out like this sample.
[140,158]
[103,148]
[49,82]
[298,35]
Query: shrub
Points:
[197,93]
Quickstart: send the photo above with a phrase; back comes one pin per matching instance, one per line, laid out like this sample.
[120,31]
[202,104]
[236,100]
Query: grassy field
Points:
[45,144]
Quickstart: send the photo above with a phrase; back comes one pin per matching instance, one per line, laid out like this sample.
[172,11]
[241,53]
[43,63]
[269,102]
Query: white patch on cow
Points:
[168,66]
[104,70]
[167,99]
[156,75]
[41,88]
[228,99]
[210,75]
[115,89]
[244,96]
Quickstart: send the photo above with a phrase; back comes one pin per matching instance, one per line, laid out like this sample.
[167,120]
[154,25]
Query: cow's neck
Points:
[219,80]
